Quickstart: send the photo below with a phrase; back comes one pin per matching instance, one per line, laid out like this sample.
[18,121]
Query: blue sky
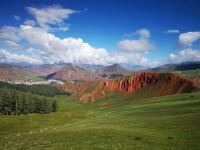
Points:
[142,32]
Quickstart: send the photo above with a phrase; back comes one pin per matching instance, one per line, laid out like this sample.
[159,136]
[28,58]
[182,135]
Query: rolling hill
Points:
[145,84]
[125,114]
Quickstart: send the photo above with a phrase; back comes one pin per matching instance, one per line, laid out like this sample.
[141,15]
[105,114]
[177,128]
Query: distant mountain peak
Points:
[73,73]
[111,70]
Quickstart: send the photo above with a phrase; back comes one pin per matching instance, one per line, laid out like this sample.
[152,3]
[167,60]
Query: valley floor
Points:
[169,122]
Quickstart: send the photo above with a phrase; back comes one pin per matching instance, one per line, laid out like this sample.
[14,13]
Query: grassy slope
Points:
[188,73]
[169,122]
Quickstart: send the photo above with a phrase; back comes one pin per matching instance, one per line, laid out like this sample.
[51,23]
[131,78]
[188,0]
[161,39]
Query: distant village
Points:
[33,82]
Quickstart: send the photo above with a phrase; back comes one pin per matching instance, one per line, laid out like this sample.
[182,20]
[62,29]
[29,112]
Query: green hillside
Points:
[168,122]
[188,73]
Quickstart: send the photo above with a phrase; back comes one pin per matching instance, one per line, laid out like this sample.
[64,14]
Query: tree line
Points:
[18,102]
[45,90]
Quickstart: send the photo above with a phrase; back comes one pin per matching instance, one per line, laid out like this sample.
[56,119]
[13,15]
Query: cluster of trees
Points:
[19,102]
[45,90]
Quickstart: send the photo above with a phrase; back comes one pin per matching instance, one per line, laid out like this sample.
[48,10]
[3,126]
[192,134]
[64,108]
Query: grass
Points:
[188,73]
[168,122]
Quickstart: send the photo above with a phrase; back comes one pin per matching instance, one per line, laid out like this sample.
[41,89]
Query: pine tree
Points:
[24,102]
[0,102]
[13,101]
[6,102]
[54,106]
[37,105]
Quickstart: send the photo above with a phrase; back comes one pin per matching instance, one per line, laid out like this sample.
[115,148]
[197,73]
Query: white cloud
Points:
[144,33]
[188,54]
[52,15]
[9,33]
[30,22]
[139,45]
[17,17]
[171,31]
[6,56]
[63,29]
[33,42]
[13,45]
[48,48]
[189,37]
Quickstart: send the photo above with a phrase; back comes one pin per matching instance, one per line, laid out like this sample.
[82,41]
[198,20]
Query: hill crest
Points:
[112,70]
[155,84]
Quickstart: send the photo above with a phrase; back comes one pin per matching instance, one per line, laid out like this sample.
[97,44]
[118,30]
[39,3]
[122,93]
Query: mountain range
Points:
[80,72]
[177,67]
[66,72]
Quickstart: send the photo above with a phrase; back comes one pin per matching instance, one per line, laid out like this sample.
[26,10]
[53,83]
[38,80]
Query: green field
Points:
[169,122]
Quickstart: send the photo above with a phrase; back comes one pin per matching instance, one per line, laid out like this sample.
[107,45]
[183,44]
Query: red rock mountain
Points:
[196,80]
[152,84]
[73,73]
[140,80]
[44,70]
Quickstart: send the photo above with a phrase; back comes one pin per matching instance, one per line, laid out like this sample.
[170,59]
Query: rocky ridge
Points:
[159,83]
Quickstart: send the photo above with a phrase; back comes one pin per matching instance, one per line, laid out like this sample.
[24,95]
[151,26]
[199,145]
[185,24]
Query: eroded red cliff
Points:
[140,80]
[157,84]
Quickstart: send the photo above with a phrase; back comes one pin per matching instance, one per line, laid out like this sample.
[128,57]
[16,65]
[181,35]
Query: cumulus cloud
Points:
[172,31]
[8,33]
[13,45]
[184,55]
[9,37]
[30,22]
[48,48]
[50,16]
[6,56]
[189,37]
[34,42]
[139,45]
